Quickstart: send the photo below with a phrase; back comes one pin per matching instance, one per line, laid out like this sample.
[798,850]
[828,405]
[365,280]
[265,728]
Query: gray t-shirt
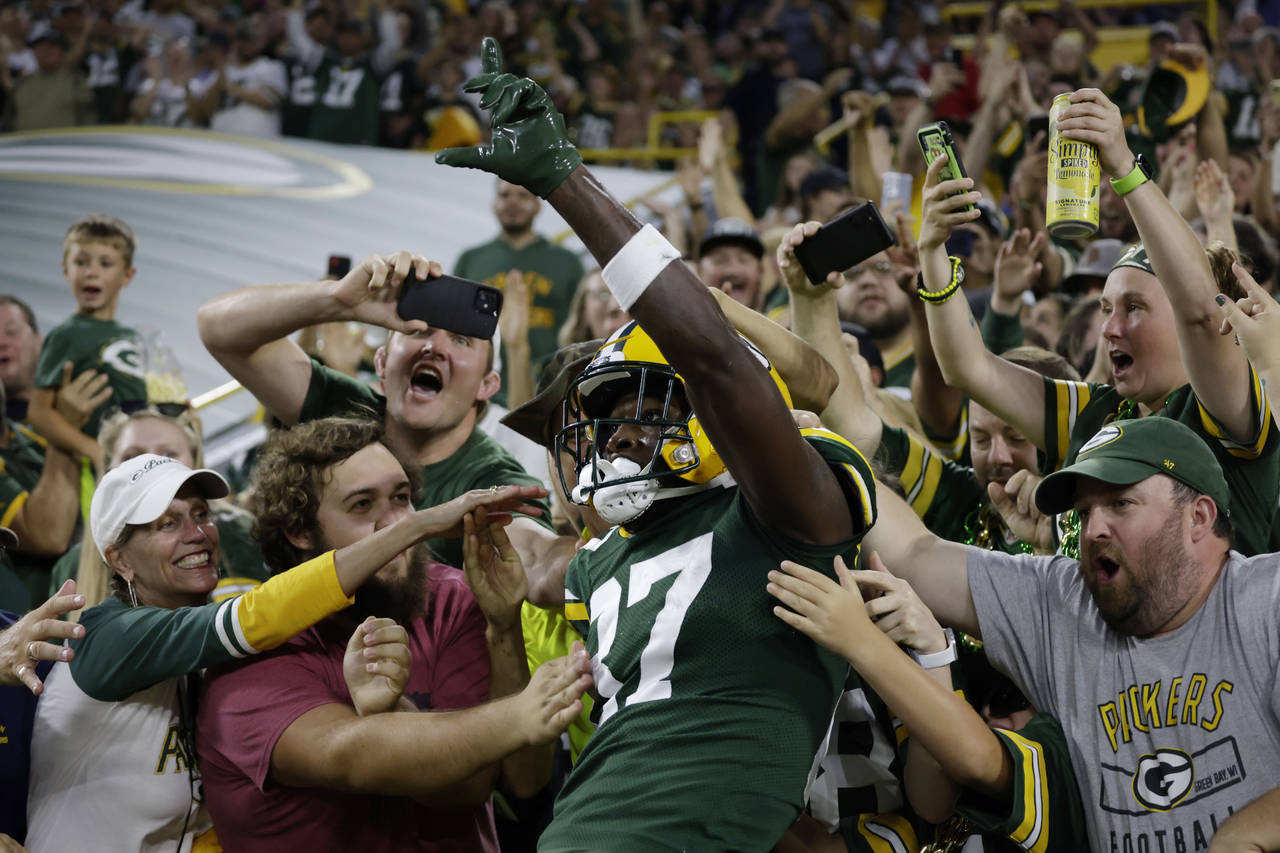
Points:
[1168,736]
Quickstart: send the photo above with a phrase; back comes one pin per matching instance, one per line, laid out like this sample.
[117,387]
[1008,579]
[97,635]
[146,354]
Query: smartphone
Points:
[339,265]
[844,242]
[1036,125]
[955,56]
[936,139]
[457,304]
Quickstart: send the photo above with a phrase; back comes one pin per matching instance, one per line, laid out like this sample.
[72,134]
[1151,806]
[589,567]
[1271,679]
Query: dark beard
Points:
[1154,598]
[402,599]
[889,324]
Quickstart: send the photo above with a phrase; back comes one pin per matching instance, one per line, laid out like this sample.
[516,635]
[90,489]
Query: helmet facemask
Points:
[621,489]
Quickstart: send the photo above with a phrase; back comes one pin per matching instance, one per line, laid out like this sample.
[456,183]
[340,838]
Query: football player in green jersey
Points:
[710,716]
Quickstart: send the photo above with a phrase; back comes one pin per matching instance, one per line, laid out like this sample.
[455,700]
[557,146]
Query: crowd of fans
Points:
[971,544]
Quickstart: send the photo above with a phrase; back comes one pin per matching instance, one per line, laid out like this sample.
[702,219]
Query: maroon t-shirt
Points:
[245,709]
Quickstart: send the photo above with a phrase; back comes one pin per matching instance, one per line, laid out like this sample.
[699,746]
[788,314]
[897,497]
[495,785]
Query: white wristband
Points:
[637,264]
[933,660]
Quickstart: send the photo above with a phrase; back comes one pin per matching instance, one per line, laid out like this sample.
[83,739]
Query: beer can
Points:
[1075,178]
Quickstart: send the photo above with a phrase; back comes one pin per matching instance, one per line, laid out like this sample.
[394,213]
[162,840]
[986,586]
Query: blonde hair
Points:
[101,228]
[574,330]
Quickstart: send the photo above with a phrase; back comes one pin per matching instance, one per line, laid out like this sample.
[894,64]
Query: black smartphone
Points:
[936,139]
[457,304]
[1037,125]
[844,242]
[339,265]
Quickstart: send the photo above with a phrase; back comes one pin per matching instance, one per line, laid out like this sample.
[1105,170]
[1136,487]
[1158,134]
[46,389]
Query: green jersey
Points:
[1046,814]
[21,464]
[945,495]
[478,464]
[551,274]
[102,345]
[1075,411]
[347,100]
[898,366]
[711,710]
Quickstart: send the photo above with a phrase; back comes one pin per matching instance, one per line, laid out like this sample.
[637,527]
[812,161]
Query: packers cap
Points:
[532,419]
[1171,97]
[1126,452]
[731,232]
[1135,256]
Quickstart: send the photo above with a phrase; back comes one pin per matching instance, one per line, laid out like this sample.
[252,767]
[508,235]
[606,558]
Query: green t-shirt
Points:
[710,710]
[945,495]
[478,464]
[1046,814]
[241,566]
[551,274]
[347,101]
[1075,411]
[898,367]
[92,344]
[21,464]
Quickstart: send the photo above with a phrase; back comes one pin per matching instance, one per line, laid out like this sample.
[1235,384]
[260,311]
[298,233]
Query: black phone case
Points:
[844,242]
[448,302]
[942,131]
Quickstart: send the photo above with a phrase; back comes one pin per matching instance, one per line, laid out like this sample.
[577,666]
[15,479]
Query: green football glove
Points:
[529,144]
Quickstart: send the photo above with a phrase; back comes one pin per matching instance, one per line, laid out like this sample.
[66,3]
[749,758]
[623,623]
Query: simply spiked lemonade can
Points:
[1075,177]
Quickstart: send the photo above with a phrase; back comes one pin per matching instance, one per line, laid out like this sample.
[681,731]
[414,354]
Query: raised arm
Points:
[247,330]
[810,375]
[1218,370]
[1012,392]
[834,614]
[783,479]
[815,318]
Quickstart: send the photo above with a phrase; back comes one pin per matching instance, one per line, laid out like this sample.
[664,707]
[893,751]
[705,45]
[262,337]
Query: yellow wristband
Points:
[937,297]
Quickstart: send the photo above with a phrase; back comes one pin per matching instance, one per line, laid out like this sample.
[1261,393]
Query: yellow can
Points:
[1075,177]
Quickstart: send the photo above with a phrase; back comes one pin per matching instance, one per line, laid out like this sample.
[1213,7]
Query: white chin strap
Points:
[623,502]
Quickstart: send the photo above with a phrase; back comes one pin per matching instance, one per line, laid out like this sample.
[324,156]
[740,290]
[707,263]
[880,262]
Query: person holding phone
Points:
[681,435]
[1160,334]
[434,387]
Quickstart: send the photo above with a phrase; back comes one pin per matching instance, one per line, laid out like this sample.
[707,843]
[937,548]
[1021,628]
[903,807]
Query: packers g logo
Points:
[1163,778]
[1106,435]
[125,357]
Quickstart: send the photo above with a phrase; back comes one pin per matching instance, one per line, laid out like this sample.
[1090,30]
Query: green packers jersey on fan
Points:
[1046,814]
[711,709]
[945,495]
[1075,411]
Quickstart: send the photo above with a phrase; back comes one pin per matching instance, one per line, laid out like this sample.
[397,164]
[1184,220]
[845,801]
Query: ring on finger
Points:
[31,655]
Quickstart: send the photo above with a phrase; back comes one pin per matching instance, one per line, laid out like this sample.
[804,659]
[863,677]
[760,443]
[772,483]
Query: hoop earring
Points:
[133,598]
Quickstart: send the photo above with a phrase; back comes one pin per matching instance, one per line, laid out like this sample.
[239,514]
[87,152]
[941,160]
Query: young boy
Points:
[97,260]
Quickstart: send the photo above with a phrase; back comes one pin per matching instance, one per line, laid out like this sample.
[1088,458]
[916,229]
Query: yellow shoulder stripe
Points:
[1030,833]
[13,509]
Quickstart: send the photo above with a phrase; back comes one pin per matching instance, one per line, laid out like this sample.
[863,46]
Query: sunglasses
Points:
[133,407]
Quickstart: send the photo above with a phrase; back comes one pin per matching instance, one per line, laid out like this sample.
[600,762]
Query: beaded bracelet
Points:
[937,297]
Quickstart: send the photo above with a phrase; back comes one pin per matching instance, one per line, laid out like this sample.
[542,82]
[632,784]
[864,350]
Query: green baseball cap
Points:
[1126,452]
[1135,256]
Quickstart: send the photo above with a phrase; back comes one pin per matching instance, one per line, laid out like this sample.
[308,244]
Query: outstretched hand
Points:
[444,520]
[553,696]
[945,205]
[493,570]
[30,640]
[529,145]
[1255,320]
[370,291]
[789,265]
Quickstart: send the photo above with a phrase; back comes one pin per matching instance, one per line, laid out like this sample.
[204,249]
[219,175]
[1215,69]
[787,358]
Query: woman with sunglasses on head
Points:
[111,752]
[172,430]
